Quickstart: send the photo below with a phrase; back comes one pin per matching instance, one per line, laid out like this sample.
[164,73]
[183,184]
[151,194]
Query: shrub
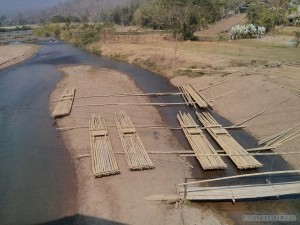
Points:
[246,31]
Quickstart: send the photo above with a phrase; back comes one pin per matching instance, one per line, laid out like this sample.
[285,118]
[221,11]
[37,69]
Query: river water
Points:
[37,176]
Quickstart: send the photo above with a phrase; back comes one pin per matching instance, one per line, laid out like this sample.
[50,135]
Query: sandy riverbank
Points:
[119,198]
[13,54]
[261,89]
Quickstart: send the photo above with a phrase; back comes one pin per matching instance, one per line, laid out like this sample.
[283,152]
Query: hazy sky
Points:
[14,6]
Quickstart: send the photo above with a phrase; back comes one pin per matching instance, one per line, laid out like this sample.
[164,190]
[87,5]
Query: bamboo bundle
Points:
[64,105]
[241,158]
[135,152]
[200,144]
[281,137]
[190,93]
[239,191]
[103,158]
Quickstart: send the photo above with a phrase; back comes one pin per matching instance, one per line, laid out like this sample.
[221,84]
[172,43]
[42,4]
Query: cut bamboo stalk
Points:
[262,112]
[239,176]
[131,103]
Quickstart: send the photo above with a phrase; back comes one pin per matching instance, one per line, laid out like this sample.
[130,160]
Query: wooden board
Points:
[103,159]
[200,144]
[135,152]
[241,158]
[239,192]
[65,103]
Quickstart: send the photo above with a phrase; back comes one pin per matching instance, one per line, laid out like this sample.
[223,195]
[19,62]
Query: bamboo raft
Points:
[135,152]
[64,105]
[239,192]
[191,95]
[200,144]
[103,158]
[240,157]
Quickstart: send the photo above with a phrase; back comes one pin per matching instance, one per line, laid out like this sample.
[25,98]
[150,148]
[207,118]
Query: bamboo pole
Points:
[229,93]
[139,104]
[240,176]
[220,82]
[260,113]
[147,127]
[257,154]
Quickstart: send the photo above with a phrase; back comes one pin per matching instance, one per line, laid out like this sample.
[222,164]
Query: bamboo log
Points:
[131,103]
[260,113]
[240,176]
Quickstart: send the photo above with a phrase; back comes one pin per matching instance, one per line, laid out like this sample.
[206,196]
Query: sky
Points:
[8,7]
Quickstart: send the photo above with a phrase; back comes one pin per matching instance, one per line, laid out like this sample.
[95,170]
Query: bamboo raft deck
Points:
[240,157]
[200,144]
[65,103]
[103,158]
[135,153]
[191,95]
[239,192]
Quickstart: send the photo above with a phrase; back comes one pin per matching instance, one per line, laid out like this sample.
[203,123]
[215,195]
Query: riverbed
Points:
[38,180]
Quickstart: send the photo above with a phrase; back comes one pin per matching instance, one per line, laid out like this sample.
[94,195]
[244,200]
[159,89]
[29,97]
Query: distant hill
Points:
[10,7]
[87,8]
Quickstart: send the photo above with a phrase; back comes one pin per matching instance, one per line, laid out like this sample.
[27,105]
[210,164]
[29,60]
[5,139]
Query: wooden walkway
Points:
[135,152]
[239,192]
[64,105]
[103,158]
[192,96]
[241,158]
[200,144]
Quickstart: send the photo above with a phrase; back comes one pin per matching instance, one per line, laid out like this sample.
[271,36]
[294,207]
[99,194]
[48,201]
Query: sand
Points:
[119,198]
[262,88]
[13,54]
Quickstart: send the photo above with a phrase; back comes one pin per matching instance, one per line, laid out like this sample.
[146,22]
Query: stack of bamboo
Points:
[64,105]
[241,158]
[135,152]
[282,137]
[200,144]
[191,95]
[103,158]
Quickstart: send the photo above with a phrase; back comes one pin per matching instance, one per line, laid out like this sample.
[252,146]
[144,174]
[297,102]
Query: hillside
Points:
[223,25]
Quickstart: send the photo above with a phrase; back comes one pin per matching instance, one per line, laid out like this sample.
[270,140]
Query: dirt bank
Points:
[270,65]
[120,198]
[248,95]
[13,54]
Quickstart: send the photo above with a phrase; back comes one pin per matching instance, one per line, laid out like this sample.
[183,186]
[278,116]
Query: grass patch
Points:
[148,64]
[190,73]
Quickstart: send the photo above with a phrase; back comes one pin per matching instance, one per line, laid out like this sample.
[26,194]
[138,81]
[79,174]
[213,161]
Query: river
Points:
[37,176]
